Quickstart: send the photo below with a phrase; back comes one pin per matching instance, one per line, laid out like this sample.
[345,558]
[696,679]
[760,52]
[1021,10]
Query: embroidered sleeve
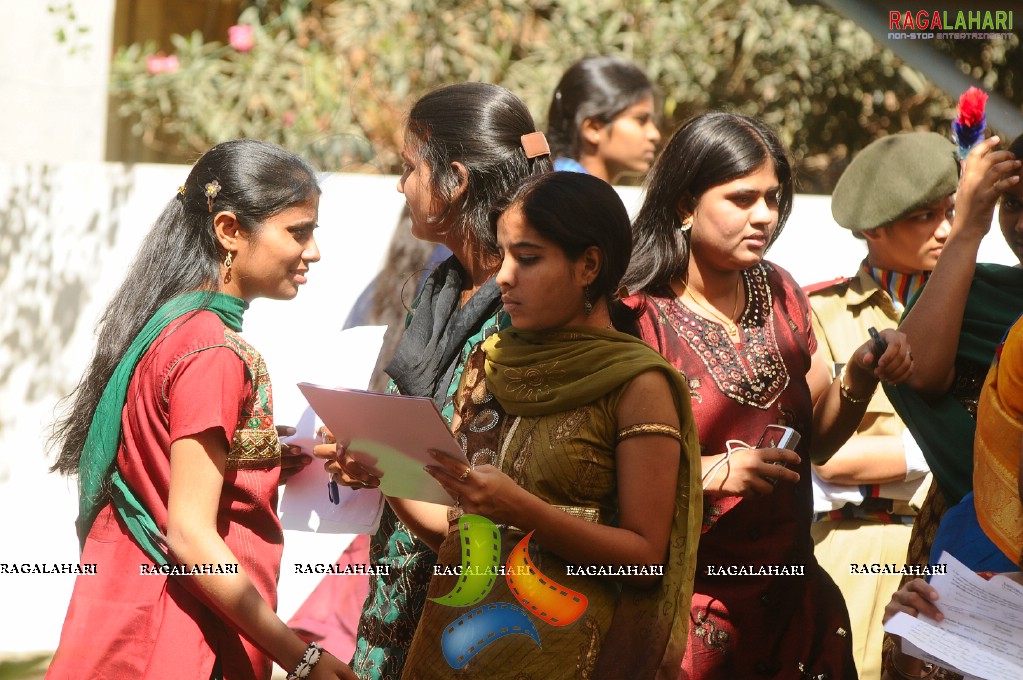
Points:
[648,428]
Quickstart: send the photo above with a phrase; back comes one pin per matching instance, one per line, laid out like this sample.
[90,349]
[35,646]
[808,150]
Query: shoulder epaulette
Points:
[817,287]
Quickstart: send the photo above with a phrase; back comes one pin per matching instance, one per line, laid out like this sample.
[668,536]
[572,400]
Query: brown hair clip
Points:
[535,144]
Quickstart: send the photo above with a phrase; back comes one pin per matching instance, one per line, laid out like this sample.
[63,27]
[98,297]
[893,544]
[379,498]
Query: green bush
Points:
[332,80]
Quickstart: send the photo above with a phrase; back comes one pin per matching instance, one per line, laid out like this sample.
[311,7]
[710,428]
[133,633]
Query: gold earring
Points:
[229,261]
[587,305]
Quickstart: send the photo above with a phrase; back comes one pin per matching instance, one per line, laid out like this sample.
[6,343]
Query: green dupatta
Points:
[943,428]
[545,372]
[100,451]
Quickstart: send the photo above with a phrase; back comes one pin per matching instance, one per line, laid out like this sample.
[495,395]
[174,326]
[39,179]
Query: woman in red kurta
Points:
[739,329]
[171,434]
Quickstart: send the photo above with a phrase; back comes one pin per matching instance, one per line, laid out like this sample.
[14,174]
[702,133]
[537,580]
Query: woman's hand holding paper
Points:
[340,465]
[481,490]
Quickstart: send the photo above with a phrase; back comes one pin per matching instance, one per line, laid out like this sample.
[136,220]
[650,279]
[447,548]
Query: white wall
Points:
[66,236]
[53,104]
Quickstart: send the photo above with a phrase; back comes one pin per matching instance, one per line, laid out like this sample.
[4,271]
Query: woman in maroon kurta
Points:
[171,435]
[739,329]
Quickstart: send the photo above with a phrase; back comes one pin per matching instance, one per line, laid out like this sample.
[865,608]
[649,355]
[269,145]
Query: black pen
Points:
[333,493]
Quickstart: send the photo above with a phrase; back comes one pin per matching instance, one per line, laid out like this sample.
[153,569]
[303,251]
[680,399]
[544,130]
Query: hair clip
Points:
[181,190]
[535,144]
[212,189]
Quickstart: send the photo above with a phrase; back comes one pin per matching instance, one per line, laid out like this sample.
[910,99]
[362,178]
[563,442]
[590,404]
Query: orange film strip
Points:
[542,596]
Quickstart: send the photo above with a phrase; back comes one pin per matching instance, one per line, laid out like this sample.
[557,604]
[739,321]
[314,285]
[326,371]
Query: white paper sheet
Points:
[347,360]
[983,626]
[389,433]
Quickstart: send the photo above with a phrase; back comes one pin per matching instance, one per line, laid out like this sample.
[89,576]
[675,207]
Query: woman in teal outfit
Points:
[466,145]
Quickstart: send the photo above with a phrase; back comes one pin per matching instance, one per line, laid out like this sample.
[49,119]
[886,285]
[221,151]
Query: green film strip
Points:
[481,553]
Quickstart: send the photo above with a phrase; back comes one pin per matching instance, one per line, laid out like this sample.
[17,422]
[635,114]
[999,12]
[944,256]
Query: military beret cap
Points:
[892,177]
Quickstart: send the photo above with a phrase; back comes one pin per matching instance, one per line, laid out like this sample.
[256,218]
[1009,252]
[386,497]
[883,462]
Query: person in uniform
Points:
[897,195]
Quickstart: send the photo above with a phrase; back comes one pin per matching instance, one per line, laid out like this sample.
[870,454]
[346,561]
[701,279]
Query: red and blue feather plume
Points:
[968,128]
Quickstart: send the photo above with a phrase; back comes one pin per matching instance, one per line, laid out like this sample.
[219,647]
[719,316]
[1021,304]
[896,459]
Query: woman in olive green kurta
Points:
[581,437]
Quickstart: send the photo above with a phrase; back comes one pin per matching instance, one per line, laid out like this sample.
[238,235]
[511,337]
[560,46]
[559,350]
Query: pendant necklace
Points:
[728,323]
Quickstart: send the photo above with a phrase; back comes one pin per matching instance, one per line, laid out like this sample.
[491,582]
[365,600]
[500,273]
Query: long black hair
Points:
[576,211]
[181,254]
[480,126]
[598,88]
[706,151]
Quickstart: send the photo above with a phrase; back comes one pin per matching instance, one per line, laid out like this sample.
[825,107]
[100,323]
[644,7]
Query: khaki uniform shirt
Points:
[841,312]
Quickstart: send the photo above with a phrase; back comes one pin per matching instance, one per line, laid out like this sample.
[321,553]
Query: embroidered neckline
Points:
[752,372]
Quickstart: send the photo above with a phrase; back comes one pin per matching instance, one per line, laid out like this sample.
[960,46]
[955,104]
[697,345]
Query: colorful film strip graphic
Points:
[481,553]
[542,596]
[471,632]
[545,598]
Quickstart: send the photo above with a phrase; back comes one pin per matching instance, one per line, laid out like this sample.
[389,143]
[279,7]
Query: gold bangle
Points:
[648,428]
[849,396]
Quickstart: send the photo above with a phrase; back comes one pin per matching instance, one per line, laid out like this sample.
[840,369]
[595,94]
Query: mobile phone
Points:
[778,437]
[880,345]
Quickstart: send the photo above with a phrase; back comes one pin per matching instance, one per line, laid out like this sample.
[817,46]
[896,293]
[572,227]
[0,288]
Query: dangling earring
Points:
[587,305]
[687,224]
[228,263]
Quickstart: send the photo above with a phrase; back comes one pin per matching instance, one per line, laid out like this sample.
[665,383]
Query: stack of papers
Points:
[390,434]
[982,632]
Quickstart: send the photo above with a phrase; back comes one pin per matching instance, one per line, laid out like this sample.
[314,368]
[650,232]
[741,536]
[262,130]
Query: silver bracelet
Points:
[312,656]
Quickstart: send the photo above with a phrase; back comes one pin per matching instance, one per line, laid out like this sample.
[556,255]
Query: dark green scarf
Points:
[943,428]
[436,331]
[100,451]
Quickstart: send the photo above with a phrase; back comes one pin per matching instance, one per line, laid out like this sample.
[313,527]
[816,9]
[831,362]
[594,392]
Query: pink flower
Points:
[161,63]
[289,118]
[241,37]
